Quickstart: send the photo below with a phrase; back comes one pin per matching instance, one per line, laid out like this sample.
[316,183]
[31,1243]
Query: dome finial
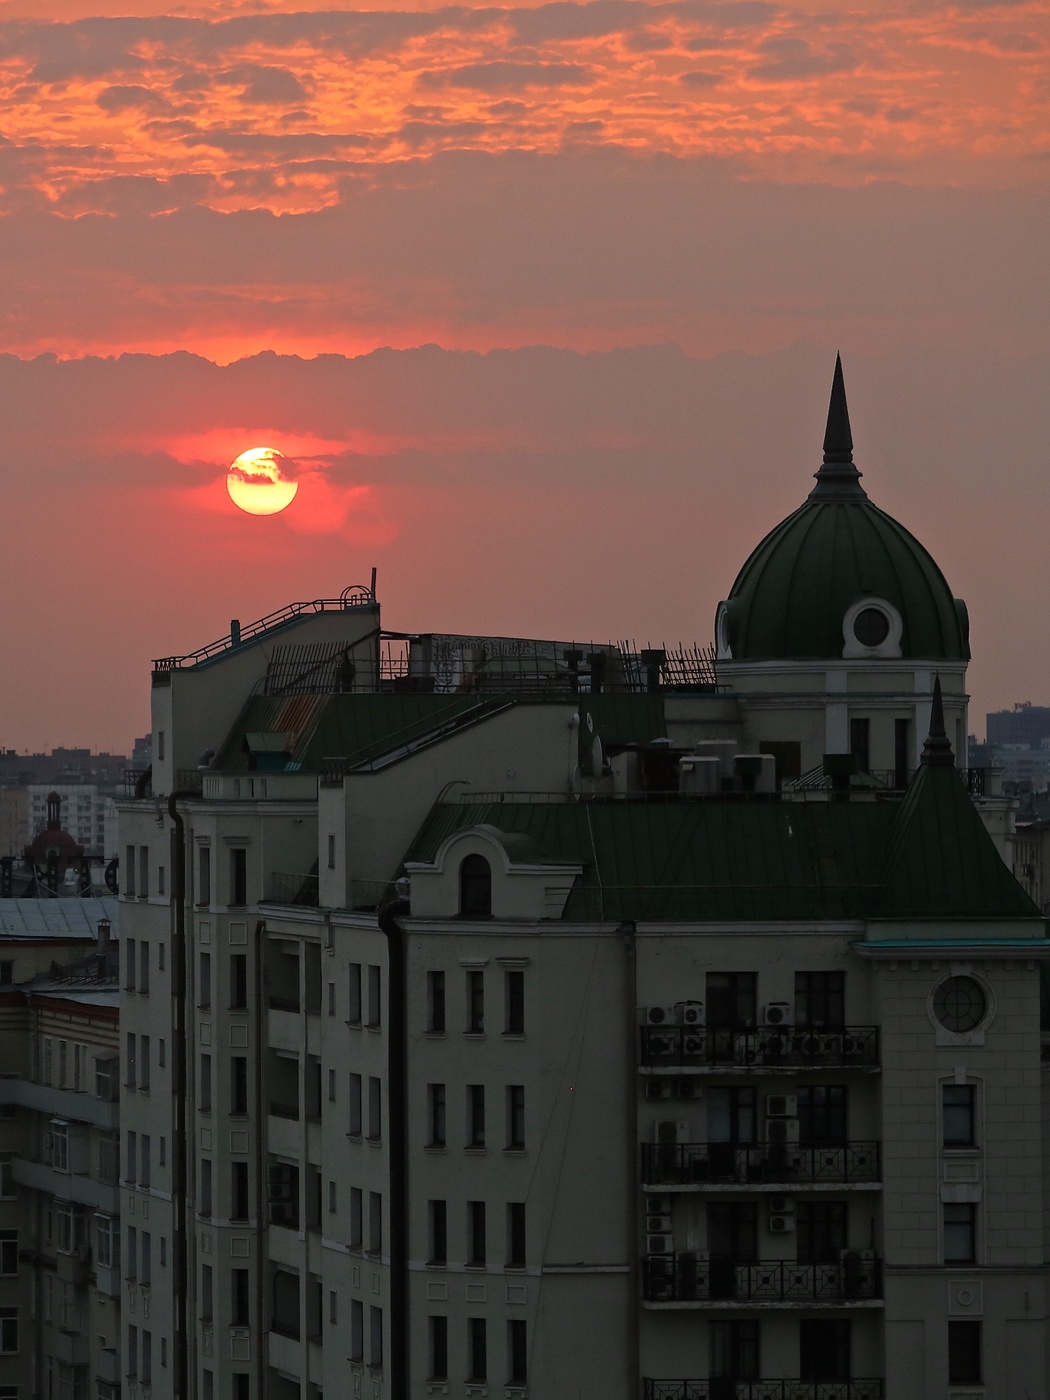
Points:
[937,750]
[838,479]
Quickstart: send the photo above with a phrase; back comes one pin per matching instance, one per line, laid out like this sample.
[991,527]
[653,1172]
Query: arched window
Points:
[475,888]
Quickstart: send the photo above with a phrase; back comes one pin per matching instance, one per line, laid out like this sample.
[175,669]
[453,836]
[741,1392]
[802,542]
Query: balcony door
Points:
[822,1120]
[730,1124]
[732,1239]
[733,1357]
[824,1350]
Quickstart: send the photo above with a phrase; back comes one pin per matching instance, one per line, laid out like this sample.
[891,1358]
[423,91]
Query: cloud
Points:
[700,78]
[785,58]
[505,76]
[262,84]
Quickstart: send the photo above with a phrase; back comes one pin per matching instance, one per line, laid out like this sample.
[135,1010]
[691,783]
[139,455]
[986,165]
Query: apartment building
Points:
[60,1334]
[532,1018]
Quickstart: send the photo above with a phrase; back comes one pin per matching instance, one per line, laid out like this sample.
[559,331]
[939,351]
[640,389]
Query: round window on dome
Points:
[960,1004]
[871,627]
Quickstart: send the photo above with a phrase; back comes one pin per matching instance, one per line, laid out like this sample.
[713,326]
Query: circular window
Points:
[871,627]
[959,1004]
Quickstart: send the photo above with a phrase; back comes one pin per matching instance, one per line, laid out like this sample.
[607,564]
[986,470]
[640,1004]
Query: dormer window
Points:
[475,888]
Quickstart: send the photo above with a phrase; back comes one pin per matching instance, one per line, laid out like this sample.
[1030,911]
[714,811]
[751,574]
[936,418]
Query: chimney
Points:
[103,928]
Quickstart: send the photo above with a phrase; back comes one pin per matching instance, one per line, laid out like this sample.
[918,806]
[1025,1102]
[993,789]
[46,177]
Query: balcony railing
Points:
[670,1047]
[718,1388]
[287,888]
[697,1163]
[692,1278]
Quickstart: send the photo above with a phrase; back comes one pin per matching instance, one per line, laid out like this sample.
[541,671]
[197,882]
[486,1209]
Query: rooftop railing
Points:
[694,1278]
[725,1388]
[715,1163]
[704,1047]
[293,889]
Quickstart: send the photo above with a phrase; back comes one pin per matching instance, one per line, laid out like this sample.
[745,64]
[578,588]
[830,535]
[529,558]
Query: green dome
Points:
[838,551]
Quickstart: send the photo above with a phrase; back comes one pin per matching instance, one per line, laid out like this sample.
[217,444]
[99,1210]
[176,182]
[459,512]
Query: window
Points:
[239,1311]
[133,1350]
[354,1126]
[45,1072]
[475,1003]
[60,1144]
[129,867]
[476,1250]
[131,1172]
[731,998]
[132,1254]
[238,1084]
[107,1241]
[475,888]
[375,1223]
[333,1306]
[332,1198]
[129,1066]
[242,1385]
[63,1064]
[204,1099]
[517,1353]
[7,972]
[144,1057]
[516,1235]
[145,1155]
[162,1152]
[860,728]
[821,1114]
[331,1086]
[477,1350]
[356,1220]
[286,1303]
[513,1003]
[146,1270]
[476,1115]
[901,752]
[436,1115]
[160,957]
[8,1190]
[436,1002]
[331,851]
[964,1353]
[108,1158]
[824,1349]
[143,872]
[820,1000]
[515,1116]
[331,998]
[204,875]
[162,1054]
[732,1235]
[357,1330]
[438,1230]
[438,1327]
[821,1231]
[958,1116]
[144,966]
[239,1191]
[375,986]
[206,1200]
[353,1014]
[8,1331]
[207,1293]
[959,1004]
[238,876]
[960,1232]
[375,1109]
[204,986]
[375,1338]
[8,1253]
[238,981]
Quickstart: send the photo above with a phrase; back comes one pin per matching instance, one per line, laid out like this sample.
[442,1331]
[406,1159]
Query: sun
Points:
[259,483]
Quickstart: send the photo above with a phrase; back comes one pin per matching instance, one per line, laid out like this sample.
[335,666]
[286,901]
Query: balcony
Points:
[695,1278]
[713,1049]
[700,1164]
[724,1389]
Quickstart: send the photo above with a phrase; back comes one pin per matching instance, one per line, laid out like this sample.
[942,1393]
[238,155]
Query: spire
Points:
[937,750]
[838,479]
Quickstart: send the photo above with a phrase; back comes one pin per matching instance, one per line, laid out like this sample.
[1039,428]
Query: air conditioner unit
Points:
[781,1205]
[689,1088]
[781,1224]
[781,1105]
[658,1205]
[661,1016]
[690,1013]
[658,1224]
[781,1131]
[779,1013]
[658,1088]
[663,1045]
[745,1049]
[809,1043]
[694,1043]
[659,1244]
[670,1131]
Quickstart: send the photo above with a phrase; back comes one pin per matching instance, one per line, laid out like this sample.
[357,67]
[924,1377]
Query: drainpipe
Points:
[183,1384]
[629,931]
[397,1115]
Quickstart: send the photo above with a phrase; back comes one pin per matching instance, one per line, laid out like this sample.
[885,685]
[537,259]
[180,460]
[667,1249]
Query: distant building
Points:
[1026,725]
[14,821]
[87,812]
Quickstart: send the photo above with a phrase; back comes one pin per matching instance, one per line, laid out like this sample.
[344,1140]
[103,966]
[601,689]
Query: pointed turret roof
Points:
[838,479]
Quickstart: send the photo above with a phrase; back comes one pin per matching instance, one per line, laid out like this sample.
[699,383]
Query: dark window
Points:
[821,1231]
[731,999]
[477,1347]
[820,1000]
[731,1116]
[871,627]
[475,888]
[357,1330]
[239,1191]
[204,1101]
[207,1292]
[356,1217]
[901,752]
[354,1123]
[204,875]
[436,1115]
[238,876]
[824,1350]
[375,1108]
[436,1002]
[516,1235]
[238,981]
[517,1353]
[476,1114]
[734,1352]
[239,1315]
[475,1002]
[7,972]
[514,998]
[515,1115]
[353,1013]
[375,1328]
[732,1231]
[375,1223]
[438,1224]
[964,1353]
[959,1118]
[286,1303]
[206,1202]
[860,742]
[960,1233]
[959,1004]
[375,996]
[204,988]
[242,1386]
[476,1248]
[130,964]
[822,1114]
[238,1084]
[438,1348]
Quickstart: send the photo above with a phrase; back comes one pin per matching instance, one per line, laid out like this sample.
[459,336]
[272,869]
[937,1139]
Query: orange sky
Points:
[747,184]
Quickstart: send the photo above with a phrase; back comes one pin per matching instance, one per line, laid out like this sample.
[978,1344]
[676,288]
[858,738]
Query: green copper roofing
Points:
[790,598]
